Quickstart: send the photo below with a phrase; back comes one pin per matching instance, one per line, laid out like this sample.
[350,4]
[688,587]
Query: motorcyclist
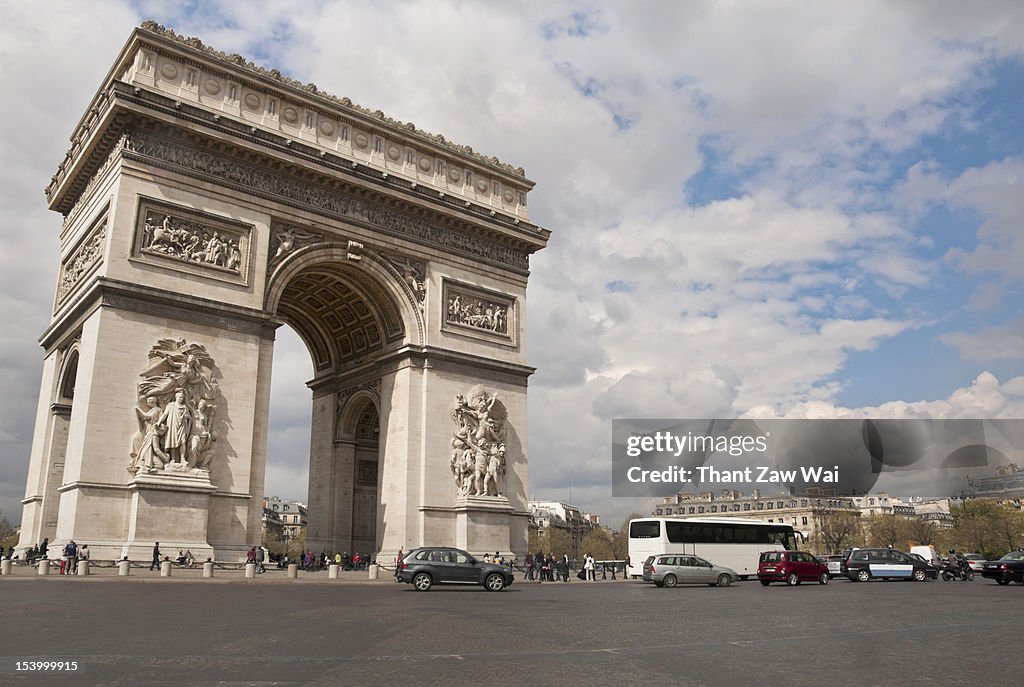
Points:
[957,564]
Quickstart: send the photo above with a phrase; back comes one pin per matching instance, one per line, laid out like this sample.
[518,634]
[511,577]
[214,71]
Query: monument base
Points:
[169,506]
[483,525]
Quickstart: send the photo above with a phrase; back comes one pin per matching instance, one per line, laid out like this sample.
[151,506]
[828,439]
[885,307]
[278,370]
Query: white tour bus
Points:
[733,542]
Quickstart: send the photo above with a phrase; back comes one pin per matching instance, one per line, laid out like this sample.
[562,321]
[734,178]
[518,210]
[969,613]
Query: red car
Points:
[791,567]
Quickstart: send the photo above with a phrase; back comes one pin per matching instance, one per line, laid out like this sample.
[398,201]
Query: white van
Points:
[928,553]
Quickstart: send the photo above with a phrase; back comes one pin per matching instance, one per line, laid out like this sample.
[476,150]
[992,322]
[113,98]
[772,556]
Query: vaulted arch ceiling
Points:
[343,315]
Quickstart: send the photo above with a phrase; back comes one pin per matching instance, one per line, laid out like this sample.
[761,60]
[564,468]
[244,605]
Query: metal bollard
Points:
[44,567]
[124,567]
[332,571]
[165,569]
[83,567]
[293,571]
[6,566]
[208,569]
[250,570]
[374,571]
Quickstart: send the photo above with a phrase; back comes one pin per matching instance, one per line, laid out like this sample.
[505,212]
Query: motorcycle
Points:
[957,570]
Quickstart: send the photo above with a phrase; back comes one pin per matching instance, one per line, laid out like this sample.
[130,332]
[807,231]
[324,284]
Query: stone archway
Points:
[206,202]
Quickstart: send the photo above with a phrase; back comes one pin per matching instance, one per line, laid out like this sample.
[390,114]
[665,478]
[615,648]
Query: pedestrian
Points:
[357,561]
[346,561]
[156,557]
[261,556]
[83,555]
[487,558]
[398,564]
[563,568]
[43,547]
[588,565]
[538,565]
[529,566]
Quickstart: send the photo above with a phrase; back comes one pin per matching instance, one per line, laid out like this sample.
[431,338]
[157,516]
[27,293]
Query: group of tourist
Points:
[70,555]
[312,562]
[551,568]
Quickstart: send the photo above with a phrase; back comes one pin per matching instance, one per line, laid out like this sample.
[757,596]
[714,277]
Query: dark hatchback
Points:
[862,565]
[423,568]
[1009,568]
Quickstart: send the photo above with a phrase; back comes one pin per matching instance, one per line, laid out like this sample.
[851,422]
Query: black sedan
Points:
[423,568]
[1009,568]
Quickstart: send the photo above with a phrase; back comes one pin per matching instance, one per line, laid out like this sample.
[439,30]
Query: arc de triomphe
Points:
[208,201]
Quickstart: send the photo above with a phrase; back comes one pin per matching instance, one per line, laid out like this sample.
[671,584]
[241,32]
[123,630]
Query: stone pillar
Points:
[165,569]
[374,571]
[6,566]
[208,569]
[250,570]
[83,568]
[293,571]
[44,567]
[124,568]
[332,571]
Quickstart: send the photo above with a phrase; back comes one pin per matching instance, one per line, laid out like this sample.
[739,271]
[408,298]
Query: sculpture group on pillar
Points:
[176,410]
[478,444]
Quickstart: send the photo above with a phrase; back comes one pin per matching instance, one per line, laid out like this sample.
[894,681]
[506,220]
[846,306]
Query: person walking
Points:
[529,566]
[398,564]
[261,556]
[588,565]
[155,565]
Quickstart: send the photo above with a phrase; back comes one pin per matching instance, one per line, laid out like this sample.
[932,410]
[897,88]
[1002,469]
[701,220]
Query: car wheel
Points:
[863,575]
[422,582]
[724,580]
[793,579]
[670,581]
[920,575]
[825,577]
[494,582]
[765,583]
[1003,582]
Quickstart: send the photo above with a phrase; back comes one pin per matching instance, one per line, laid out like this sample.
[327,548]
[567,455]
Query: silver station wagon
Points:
[669,570]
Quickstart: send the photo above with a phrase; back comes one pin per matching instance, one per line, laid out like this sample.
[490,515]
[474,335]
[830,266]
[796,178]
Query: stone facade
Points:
[208,201]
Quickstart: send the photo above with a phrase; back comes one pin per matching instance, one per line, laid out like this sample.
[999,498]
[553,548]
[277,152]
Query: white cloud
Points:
[755,299]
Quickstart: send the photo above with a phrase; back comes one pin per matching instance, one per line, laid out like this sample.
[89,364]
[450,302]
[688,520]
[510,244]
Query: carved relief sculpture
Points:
[414,273]
[478,444]
[190,241]
[86,256]
[471,310]
[176,410]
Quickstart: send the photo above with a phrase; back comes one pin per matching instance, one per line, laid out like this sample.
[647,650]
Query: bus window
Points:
[783,536]
[644,529]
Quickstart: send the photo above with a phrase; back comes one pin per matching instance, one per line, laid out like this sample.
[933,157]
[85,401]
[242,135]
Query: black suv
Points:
[862,565]
[423,568]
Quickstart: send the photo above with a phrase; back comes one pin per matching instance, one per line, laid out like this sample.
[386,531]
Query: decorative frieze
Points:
[191,241]
[479,312]
[246,178]
[83,260]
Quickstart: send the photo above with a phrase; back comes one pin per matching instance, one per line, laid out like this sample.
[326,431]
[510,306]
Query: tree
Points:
[886,530]
[836,529]
[598,543]
[8,533]
[922,532]
[552,540]
[986,527]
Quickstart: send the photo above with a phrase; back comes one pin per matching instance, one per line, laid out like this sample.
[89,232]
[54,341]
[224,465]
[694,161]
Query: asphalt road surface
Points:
[164,632]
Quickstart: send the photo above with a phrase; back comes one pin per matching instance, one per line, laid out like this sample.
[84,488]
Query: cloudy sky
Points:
[787,209]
